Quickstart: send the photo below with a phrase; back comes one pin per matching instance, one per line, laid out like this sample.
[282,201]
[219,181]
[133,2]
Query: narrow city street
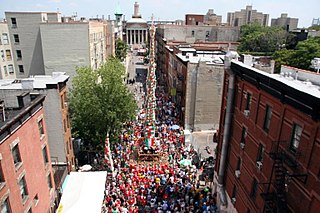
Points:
[150,168]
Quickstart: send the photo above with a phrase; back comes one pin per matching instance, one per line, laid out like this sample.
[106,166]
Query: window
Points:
[8,55]
[295,137]
[243,135]
[238,164]
[36,200]
[67,147]
[16,155]
[192,33]
[267,118]
[5,70]
[248,103]
[13,22]
[45,155]
[49,181]
[23,188]
[40,126]
[2,180]
[5,38]
[19,55]
[254,188]
[21,70]
[68,120]
[70,143]
[234,191]
[5,206]
[260,153]
[10,69]
[65,125]
[62,101]
[16,38]
[2,55]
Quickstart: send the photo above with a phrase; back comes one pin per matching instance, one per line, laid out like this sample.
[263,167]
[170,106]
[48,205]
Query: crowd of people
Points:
[165,184]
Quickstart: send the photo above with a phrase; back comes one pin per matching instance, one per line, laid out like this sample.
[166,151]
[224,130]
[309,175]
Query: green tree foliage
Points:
[257,38]
[100,103]
[121,49]
[301,56]
[315,27]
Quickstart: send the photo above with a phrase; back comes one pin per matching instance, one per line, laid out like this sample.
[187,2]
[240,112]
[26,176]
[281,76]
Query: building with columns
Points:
[136,29]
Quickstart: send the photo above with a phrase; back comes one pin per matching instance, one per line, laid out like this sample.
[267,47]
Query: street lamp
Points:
[315,64]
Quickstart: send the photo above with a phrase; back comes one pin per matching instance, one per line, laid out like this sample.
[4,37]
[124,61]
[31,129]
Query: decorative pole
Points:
[151,92]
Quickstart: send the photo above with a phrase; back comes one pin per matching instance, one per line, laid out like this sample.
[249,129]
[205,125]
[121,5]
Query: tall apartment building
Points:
[269,142]
[315,22]
[58,133]
[24,30]
[46,44]
[26,177]
[247,16]
[7,69]
[285,22]
[68,45]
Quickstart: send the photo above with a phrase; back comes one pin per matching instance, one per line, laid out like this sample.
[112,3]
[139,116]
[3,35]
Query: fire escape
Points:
[285,167]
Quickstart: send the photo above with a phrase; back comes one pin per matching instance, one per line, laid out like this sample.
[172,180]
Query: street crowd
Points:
[166,184]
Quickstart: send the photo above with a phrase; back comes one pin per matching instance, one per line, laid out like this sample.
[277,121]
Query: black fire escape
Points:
[285,167]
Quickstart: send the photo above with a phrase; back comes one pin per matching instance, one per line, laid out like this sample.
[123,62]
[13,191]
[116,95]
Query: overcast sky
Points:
[168,9]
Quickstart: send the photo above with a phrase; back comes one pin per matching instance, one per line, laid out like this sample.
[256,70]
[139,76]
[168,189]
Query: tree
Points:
[100,103]
[257,38]
[121,49]
[301,56]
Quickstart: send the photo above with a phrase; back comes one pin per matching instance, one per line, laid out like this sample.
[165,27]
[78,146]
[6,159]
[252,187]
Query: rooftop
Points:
[136,20]
[35,82]
[12,118]
[290,80]
[201,56]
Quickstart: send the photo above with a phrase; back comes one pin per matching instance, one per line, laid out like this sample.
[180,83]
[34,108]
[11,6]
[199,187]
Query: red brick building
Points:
[193,19]
[26,180]
[269,143]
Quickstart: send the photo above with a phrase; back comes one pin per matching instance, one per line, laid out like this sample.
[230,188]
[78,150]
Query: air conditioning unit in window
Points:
[233,200]
[237,173]
[242,145]
[246,113]
[259,165]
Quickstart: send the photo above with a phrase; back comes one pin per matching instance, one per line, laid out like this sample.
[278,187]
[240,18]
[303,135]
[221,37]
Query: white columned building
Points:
[137,29]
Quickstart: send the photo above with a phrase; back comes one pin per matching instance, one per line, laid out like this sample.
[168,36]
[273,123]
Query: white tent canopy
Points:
[84,192]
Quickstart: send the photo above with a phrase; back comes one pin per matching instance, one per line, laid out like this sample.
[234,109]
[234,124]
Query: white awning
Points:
[84,192]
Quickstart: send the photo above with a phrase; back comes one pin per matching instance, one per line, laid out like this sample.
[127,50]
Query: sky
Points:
[167,9]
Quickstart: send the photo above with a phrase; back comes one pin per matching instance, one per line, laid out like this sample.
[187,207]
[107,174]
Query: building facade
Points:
[192,33]
[210,18]
[48,44]
[190,75]
[247,16]
[194,19]
[137,30]
[7,69]
[26,174]
[285,22]
[268,149]
[24,30]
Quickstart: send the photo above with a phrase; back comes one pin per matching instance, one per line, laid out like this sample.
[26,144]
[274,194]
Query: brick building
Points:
[26,180]
[269,141]
[194,19]
[210,18]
